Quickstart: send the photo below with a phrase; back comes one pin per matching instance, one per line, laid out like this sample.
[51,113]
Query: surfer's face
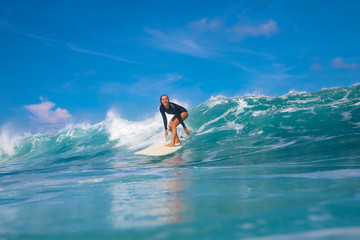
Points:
[165,100]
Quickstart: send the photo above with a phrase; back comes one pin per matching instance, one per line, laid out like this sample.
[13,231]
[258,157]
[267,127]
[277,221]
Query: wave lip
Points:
[134,134]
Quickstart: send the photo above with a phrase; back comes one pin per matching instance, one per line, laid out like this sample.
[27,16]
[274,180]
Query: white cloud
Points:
[245,68]
[316,67]
[46,112]
[267,80]
[144,86]
[77,49]
[172,77]
[117,58]
[265,29]
[204,24]
[251,52]
[158,84]
[338,62]
[89,72]
[177,41]
[201,38]
[78,76]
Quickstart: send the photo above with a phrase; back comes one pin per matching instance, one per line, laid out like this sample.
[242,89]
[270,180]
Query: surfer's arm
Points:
[164,118]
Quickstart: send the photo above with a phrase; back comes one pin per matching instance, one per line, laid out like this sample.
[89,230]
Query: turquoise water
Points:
[254,167]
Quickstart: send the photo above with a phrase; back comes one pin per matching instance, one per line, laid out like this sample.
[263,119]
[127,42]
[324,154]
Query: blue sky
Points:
[67,61]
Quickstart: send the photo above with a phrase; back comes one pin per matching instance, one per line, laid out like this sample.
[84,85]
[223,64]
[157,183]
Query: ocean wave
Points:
[256,123]
[327,233]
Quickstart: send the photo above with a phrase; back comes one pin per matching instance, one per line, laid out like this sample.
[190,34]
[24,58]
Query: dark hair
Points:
[163,95]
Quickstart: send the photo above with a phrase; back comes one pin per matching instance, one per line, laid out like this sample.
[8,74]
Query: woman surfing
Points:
[180,115]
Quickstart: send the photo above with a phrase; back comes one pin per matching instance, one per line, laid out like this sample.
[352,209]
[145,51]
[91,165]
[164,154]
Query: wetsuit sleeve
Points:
[178,116]
[164,117]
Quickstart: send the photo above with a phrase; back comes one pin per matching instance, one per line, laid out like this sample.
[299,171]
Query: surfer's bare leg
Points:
[174,138]
[172,126]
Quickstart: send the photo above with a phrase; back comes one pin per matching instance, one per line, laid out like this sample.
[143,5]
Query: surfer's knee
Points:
[184,115]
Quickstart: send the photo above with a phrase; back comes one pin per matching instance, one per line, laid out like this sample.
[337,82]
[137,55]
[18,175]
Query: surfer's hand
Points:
[187,131]
[166,133]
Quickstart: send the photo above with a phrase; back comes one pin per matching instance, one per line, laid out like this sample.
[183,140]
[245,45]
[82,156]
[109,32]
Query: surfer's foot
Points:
[177,142]
[170,145]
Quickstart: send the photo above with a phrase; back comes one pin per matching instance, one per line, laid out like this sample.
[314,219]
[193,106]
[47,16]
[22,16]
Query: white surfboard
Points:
[160,149]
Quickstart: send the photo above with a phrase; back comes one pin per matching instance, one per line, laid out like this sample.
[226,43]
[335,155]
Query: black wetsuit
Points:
[173,109]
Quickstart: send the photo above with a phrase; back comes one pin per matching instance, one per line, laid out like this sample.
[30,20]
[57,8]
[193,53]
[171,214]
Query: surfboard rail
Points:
[158,150]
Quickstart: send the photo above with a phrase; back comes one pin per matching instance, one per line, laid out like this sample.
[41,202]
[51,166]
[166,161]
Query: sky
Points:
[73,61]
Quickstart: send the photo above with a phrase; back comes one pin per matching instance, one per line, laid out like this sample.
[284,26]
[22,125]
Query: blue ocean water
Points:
[255,167]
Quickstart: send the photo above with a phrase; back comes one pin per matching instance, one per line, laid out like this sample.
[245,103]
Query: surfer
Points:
[180,115]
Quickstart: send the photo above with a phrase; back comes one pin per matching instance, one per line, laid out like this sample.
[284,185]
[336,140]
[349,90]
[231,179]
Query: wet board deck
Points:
[160,149]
